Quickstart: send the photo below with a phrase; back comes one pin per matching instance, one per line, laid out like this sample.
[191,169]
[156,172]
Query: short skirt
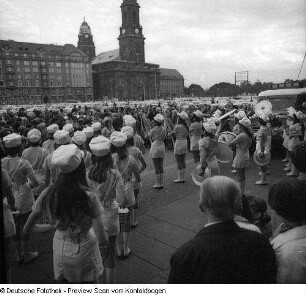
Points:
[194,143]
[180,146]
[241,159]
[76,261]
[157,149]
[110,219]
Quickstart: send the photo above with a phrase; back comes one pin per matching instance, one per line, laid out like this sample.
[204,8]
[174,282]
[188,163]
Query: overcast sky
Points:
[207,41]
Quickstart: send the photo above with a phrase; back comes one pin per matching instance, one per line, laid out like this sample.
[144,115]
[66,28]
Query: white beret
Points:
[241,114]
[34,135]
[210,126]
[159,118]
[51,129]
[68,127]
[128,130]
[100,146]
[118,139]
[96,126]
[245,122]
[183,115]
[198,114]
[61,137]
[67,158]
[129,120]
[79,138]
[12,140]
[88,131]
[291,111]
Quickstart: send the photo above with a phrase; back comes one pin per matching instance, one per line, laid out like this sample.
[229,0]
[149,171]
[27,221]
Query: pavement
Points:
[167,219]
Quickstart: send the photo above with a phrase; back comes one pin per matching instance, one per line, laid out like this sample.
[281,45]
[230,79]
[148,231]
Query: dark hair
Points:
[195,118]
[183,122]
[287,197]
[12,151]
[35,144]
[100,166]
[262,122]
[298,156]
[158,123]
[130,142]
[121,151]
[246,130]
[207,134]
[68,198]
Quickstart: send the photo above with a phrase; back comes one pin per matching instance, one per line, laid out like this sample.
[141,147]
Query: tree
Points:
[195,90]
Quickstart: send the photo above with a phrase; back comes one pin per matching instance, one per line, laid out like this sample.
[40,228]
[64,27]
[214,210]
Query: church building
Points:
[123,73]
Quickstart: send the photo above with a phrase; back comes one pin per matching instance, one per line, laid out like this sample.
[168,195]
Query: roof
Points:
[170,72]
[108,56]
[49,49]
[282,92]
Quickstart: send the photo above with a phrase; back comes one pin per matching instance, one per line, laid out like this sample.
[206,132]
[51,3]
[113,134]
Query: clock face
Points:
[86,35]
[136,31]
[123,31]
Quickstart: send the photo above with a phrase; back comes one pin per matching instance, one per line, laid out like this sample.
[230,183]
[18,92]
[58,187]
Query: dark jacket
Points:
[224,253]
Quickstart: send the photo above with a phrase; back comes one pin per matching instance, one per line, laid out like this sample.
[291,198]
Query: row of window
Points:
[26,55]
[44,63]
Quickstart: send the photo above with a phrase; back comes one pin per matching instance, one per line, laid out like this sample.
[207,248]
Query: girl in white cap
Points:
[243,143]
[79,139]
[48,145]
[106,182]
[157,136]
[208,147]
[20,171]
[128,167]
[180,147]
[195,132]
[36,155]
[136,153]
[76,214]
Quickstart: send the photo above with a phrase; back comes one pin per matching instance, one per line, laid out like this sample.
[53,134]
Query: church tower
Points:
[85,42]
[131,40]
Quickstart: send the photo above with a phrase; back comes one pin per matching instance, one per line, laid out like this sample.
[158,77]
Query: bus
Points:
[281,99]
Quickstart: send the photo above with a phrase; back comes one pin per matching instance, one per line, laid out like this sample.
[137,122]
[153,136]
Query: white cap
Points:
[245,122]
[183,115]
[79,138]
[68,127]
[198,114]
[291,111]
[159,118]
[61,137]
[96,126]
[67,158]
[34,135]
[300,115]
[51,129]
[88,131]
[128,130]
[210,126]
[265,117]
[129,120]
[118,139]
[241,114]
[12,140]
[100,146]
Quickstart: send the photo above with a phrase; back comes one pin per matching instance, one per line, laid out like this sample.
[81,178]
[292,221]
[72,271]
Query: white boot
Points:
[157,185]
[180,179]
[293,172]
[263,179]
[161,182]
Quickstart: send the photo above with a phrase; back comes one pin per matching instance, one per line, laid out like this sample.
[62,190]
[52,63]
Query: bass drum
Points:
[224,153]
[226,137]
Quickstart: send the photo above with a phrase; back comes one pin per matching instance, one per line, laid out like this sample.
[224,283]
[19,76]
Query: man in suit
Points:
[222,252]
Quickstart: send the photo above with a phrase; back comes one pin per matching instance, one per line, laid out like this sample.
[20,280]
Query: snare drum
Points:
[226,137]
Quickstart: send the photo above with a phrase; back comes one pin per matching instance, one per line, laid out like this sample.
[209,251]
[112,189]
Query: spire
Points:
[85,29]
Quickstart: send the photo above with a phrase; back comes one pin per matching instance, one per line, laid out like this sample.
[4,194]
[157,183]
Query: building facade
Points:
[33,73]
[171,83]
[85,41]
[123,73]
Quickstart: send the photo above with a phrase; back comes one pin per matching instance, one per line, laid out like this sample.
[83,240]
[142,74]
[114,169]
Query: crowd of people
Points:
[79,174]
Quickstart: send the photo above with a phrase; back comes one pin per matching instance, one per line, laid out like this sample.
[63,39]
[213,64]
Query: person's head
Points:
[97,128]
[288,199]
[159,120]
[34,137]
[258,208]
[118,141]
[12,144]
[262,121]
[197,116]
[210,128]
[51,129]
[79,139]
[245,126]
[129,131]
[220,197]
[298,156]
[61,137]
[101,158]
